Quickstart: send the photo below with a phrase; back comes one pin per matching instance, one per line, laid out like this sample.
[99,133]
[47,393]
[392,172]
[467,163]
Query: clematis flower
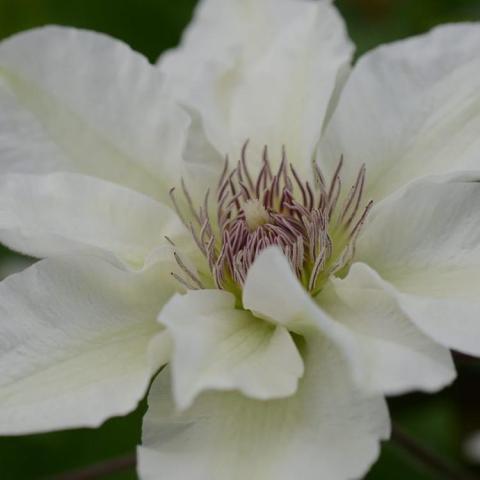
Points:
[294,240]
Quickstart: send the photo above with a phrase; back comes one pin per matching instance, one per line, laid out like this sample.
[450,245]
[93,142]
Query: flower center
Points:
[304,219]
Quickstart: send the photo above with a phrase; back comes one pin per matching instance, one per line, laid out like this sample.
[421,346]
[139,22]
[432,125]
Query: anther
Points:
[282,210]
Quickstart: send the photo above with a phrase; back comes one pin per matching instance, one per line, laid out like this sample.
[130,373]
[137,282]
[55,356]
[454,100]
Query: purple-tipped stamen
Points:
[317,237]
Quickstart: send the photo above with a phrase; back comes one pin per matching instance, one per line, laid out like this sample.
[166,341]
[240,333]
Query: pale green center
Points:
[255,213]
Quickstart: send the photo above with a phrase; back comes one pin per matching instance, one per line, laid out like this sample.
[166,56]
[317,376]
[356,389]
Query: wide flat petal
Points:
[216,346]
[203,163]
[284,97]
[327,429]
[73,100]
[263,70]
[79,342]
[273,292]
[410,109]
[43,215]
[398,356]
[425,244]
[366,323]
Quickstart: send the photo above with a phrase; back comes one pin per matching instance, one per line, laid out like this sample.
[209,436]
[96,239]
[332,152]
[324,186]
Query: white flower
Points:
[304,304]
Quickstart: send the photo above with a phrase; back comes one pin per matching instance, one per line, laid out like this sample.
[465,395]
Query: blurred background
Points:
[441,422]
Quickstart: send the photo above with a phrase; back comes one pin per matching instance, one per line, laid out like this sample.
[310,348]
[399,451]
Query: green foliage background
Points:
[150,26]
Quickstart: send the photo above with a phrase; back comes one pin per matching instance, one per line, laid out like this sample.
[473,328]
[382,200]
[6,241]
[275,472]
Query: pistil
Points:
[255,213]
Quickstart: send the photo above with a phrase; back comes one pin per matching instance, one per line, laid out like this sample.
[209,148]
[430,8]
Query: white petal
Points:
[327,428]
[197,70]
[216,346]
[363,319]
[283,98]
[203,164]
[79,101]
[410,109]
[398,356]
[425,242]
[273,292]
[79,342]
[44,215]
[263,70]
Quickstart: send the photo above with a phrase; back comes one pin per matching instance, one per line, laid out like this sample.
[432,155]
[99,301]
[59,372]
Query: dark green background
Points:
[149,26]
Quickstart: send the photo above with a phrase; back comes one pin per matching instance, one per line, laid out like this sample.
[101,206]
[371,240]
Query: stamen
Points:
[190,202]
[243,163]
[192,276]
[274,210]
[182,281]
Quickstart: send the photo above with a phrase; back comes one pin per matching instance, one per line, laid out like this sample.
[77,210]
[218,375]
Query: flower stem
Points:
[432,460]
[99,470]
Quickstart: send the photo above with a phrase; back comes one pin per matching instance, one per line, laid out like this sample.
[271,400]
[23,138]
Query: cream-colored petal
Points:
[365,321]
[203,163]
[263,70]
[327,428]
[79,342]
[72,100]
[425,242]
[283,98]
[410,109]
[398,356]
[216,346]
[273,292]
[43,215]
